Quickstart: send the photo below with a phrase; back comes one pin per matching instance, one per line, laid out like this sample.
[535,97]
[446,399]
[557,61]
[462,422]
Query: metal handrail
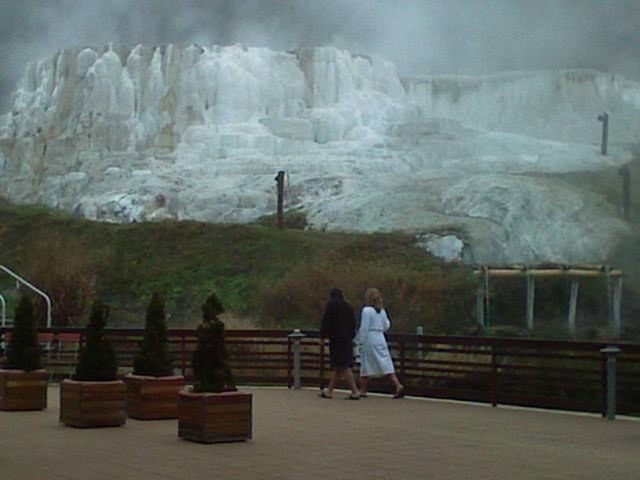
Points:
[4,310]
[20,280]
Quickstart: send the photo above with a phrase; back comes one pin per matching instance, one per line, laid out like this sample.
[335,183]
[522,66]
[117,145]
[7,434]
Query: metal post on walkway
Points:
[610,354]
[296,337]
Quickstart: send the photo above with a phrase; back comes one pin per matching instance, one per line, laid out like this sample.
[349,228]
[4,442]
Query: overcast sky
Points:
[419,36]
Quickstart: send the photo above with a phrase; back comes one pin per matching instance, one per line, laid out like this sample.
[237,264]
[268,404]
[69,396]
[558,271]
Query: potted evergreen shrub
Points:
[23,383]
[213,410]
[94,397]
[152,389]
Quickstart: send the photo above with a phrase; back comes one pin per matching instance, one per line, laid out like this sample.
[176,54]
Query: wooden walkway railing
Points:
[540,373]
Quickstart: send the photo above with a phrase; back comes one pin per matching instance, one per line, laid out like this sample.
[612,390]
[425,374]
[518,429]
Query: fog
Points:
[419,36]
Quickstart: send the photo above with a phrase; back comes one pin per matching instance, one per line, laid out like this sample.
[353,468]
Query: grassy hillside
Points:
[274,278]
[267,277]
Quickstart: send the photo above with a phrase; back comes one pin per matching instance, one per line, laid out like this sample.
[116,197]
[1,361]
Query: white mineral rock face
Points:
[191,132]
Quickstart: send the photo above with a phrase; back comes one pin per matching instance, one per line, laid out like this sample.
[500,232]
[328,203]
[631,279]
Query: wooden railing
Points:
[539,373]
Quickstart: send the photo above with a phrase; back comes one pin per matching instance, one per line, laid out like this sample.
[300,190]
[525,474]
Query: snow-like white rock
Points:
[196,132]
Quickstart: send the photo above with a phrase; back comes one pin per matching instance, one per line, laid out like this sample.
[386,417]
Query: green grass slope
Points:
[275,278]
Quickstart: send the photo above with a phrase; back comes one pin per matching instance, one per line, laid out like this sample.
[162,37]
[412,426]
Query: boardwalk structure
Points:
[573,273]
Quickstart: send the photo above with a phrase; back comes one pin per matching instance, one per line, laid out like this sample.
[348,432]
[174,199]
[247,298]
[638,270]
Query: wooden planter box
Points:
[151,398]
[214,417]
[20,390]
[93,404]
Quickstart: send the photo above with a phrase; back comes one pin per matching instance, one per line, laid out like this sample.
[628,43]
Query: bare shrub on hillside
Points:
[441,302]
[66,272]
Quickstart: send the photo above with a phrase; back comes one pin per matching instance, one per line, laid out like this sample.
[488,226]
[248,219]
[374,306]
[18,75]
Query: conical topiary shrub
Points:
[153,358]
[97,360]
[94,398]
[152,390]
[23,383]
[210,360]
[23,352]
[214,411]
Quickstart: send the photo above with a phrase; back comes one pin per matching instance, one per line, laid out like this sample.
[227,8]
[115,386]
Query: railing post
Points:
[183,354]
[603,384]
[296,336]
[420,332]
[289,367]
[402,360]
[494,377]
[610,353]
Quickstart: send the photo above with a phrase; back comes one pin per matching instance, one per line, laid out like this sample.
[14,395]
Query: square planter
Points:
[214,417]
[21,390]
[93,404]
[151,398]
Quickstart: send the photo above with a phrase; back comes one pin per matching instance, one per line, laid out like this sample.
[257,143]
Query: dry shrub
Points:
[66,272]
[440,301]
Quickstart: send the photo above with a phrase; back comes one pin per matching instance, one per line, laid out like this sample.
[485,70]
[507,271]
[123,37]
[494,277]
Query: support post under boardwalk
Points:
[573,303]
[480,303]
[617,306]
[486,297]
[531,299]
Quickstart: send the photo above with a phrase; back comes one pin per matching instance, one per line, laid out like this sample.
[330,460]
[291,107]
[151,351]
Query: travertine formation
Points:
[191,132]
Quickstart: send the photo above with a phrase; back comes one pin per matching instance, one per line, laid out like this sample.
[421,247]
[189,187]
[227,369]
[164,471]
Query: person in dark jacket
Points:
[339,325]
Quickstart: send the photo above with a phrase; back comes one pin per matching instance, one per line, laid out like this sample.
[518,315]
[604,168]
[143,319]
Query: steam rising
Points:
[419,36]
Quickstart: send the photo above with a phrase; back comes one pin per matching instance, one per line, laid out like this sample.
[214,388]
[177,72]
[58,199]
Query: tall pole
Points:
[280,180]
[604,118]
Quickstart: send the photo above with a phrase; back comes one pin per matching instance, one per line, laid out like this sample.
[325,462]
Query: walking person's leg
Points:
[396,383]
[335,375]
[364,386]
[352,382]
[328,392]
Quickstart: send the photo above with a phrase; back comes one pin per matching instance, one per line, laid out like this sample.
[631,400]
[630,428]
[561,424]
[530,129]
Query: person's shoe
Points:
[363,395]
[352,397]
[399,393]
[323,394]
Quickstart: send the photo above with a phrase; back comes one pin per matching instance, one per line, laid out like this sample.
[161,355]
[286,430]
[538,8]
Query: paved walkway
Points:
[297,435]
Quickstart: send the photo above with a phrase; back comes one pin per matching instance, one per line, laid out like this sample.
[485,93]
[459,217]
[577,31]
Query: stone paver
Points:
[297,435]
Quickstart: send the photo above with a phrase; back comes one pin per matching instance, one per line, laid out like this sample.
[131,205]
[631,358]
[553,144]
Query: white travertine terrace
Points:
[107,132]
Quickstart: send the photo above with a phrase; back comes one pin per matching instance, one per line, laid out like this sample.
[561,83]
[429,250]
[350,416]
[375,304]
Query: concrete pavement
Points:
[298,435]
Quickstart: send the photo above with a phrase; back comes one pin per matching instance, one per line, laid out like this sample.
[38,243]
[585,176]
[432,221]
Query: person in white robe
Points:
[375,359]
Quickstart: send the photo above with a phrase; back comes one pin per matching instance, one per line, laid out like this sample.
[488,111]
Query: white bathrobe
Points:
[375,359]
